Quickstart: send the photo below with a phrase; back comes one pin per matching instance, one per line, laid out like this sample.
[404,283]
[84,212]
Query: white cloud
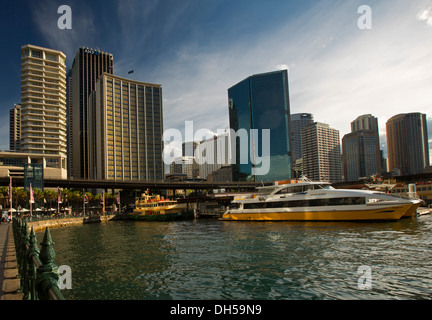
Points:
[426,15]
[336,71]
[83,30]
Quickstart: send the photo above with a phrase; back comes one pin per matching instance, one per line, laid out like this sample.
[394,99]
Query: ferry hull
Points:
[383,214]
[412,211]
[162,217]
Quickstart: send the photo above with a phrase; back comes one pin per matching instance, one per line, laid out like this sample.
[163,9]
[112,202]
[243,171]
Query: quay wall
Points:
[58,223]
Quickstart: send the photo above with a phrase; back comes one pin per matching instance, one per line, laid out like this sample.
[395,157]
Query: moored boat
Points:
[305,200]
[155,208]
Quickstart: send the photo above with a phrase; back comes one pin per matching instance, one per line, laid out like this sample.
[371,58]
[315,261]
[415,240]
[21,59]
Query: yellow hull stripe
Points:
[391,213]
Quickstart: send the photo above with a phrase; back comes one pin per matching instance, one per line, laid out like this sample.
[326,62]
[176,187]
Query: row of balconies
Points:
[48,119]
[35,62]
[43,79]
[60,113]
[51,95]
[47,142]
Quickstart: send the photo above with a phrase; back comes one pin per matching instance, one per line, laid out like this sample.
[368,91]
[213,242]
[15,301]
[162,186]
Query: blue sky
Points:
[197,49]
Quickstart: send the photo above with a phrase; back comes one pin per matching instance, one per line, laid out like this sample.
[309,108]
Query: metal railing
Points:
[36,268]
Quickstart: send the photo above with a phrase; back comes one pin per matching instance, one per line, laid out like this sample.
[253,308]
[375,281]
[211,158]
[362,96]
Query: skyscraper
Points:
[212,154]
[125,130]
[298,122]
[321,153]
[261,102]
[361,149]
[407,143]
[69,136]
[87,66]
[15,128]
[43,101]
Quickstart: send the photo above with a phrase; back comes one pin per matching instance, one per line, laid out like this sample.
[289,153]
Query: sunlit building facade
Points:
[43,101]
[321,153]
[126,128]
[407,143]
[361,154]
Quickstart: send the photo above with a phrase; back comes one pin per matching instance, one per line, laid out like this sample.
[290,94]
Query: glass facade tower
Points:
[261,102]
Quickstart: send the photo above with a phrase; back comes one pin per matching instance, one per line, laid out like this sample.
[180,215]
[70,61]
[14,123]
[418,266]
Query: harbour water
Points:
[211,259]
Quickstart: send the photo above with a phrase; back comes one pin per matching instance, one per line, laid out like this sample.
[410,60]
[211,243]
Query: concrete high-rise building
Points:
[365,122]
[298,122]
[321,153]
[88,66]
[43,101]
[188,148]
[185,165]
[361,154]
[261,102]
[125,130]
[15,128]
[407,143]
[212,154]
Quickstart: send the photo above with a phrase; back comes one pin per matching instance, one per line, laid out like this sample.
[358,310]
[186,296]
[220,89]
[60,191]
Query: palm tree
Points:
[4,196]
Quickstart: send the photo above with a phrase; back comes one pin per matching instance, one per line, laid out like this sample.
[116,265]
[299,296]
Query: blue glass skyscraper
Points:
[262,102]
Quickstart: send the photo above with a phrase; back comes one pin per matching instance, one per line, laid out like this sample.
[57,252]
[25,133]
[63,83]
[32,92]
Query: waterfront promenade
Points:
[9,283]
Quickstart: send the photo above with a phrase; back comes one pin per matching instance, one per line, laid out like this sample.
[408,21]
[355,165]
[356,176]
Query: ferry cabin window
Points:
[297,189]
[234,205]
[307,203]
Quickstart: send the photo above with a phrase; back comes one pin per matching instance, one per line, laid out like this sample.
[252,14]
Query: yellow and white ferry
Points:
[156,208]
[305,200]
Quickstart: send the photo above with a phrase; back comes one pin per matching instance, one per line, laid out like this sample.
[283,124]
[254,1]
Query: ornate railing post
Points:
[47,273]
[19,245]
[25,240]
[33,251]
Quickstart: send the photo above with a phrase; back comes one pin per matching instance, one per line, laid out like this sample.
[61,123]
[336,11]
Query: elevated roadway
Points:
[141,185]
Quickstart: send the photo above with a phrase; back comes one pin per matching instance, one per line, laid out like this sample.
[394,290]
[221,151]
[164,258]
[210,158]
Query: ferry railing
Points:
[36,268]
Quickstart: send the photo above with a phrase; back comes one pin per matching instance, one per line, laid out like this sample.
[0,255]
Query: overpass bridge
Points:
[139,185]
[191,185]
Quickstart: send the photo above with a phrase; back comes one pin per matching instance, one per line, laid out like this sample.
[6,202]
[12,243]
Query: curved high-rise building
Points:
[407,143]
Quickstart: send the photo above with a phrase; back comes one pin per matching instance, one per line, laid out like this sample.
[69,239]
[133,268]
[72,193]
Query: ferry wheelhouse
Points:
[305,200]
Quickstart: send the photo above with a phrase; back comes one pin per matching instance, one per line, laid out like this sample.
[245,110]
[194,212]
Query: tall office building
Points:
[188,148]
[298,122]
[212,154]
[43,101]
[125,130]
[15,128]
[407,143]
[361,155]
[261,102]
[87,67]
[69,135]
[321,153]
[185,165]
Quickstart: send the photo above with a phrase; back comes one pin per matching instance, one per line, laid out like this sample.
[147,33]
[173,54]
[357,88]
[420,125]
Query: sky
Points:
[198,49]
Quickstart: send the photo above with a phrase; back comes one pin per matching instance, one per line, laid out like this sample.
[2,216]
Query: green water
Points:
[211,259]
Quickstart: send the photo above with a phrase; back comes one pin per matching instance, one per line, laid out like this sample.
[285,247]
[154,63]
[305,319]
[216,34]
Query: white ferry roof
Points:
[296,184]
